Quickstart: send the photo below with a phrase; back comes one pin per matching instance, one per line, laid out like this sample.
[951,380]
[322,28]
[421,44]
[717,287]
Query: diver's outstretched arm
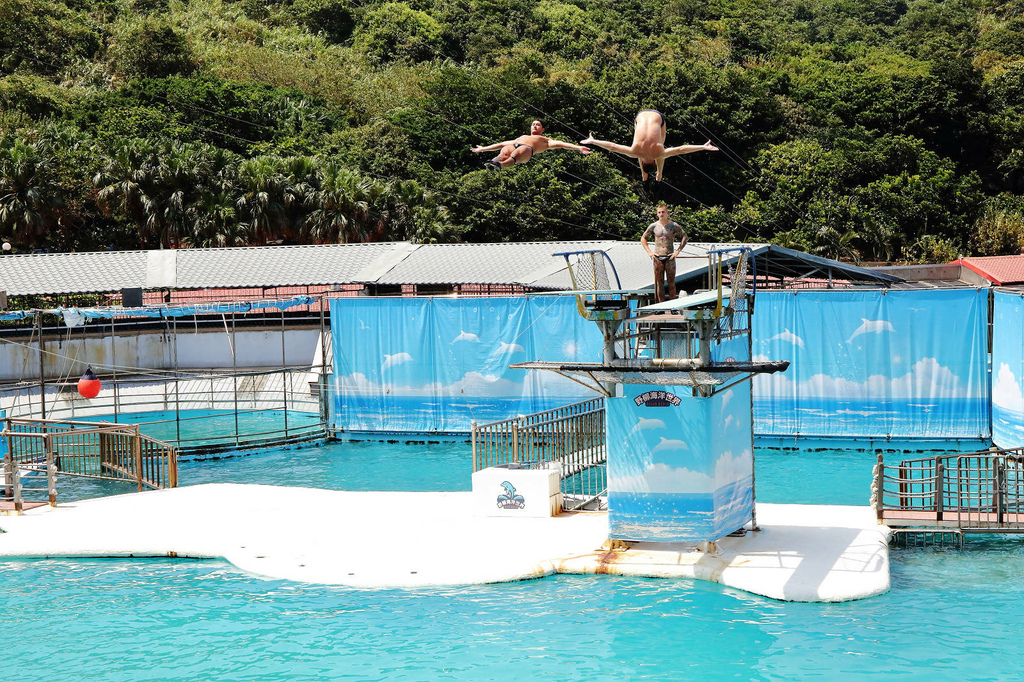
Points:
[491,147]
[558,144]
[691,148]
[610,146]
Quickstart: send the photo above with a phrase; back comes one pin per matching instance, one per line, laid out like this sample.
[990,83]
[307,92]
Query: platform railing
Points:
[572,435]
[979,491]
[103,450]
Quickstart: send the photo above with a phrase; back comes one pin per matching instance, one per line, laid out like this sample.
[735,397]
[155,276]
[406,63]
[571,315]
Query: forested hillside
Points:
[863,129]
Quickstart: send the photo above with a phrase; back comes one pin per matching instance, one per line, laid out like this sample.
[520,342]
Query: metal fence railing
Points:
[197,412]
[37,450]
[980,491]
[572,435]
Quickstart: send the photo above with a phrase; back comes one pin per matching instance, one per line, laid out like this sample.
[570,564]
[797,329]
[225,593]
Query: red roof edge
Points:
[976,269]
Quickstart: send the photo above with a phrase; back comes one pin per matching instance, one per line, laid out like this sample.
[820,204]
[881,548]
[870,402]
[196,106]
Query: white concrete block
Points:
[524,490]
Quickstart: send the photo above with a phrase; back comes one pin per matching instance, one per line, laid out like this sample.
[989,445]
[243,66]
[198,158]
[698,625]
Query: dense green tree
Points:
[872,129]
[152,47]
[397,32]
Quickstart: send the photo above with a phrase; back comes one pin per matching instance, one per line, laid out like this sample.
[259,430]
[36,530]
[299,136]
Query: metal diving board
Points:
[688,373]
[686,302]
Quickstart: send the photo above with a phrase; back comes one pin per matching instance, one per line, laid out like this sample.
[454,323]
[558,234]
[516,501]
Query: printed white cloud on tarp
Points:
[1006,392]
[661,478]
[471,384]
[927,378]
[730,469]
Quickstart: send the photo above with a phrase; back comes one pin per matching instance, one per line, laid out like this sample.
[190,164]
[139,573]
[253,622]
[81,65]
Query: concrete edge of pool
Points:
[810,553]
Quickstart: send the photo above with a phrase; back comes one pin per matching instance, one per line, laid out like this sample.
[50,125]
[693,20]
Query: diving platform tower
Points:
[676,377]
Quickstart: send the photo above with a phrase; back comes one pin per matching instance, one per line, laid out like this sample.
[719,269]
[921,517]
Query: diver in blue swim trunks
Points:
[649,144]
[522,149]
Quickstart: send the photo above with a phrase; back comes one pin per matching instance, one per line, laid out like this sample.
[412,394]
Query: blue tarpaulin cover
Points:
[679,469]
[900,364]
[187,309]
[1007,369]
[433,365]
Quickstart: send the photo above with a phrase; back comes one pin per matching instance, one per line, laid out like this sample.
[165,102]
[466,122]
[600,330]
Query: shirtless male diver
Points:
[649,144]
[663,232]
[522,149]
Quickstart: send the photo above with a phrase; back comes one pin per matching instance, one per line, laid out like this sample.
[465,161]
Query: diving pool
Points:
[950,614]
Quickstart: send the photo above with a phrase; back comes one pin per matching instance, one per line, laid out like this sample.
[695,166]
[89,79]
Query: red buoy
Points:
[89,385]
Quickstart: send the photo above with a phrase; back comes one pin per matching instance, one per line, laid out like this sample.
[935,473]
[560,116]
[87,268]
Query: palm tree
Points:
[214,221]
[831,243]
[30,197]
[340,206]
[125,182]
[181,172]
[260,201]
[302,179]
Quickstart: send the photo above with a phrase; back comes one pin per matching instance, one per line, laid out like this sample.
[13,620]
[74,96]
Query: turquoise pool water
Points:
[216,427]
[950,615]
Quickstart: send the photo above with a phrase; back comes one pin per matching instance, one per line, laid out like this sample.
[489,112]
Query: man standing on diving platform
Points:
[663,232]
[522,149]
[648,146]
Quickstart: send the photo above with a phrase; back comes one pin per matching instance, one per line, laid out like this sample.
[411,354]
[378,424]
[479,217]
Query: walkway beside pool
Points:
[413,539]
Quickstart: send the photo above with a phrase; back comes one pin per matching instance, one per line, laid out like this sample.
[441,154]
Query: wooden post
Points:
[940,488]
[9,463]
[473,434]
[879,484]
[51,470]
[8,466]
[997,492]
[104,443]
[19,504]
[172,467]
[515,441]
[137,452]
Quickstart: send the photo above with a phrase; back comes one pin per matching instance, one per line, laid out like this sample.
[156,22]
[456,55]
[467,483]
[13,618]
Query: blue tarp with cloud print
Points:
[680,468]
[433,365]
[899,364]
[1007,369]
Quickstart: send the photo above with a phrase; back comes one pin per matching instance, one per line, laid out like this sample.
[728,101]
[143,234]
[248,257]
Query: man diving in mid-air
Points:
[649,144]
[522,149]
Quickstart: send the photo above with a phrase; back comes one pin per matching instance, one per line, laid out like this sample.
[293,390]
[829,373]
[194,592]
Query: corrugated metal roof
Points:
[501,263]
[530,264]
[109,271]
[65,273]
[998,269]
[276,265]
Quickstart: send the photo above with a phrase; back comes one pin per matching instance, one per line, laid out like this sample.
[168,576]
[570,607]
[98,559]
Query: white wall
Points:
[19,361]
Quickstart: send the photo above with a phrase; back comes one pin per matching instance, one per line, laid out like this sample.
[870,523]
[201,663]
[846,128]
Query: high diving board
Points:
[670,372]
[686,302]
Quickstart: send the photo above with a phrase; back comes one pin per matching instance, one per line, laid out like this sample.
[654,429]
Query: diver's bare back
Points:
[649,135]
[664,237]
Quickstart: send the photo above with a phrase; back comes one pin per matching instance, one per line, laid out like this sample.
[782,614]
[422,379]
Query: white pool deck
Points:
[398,539]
